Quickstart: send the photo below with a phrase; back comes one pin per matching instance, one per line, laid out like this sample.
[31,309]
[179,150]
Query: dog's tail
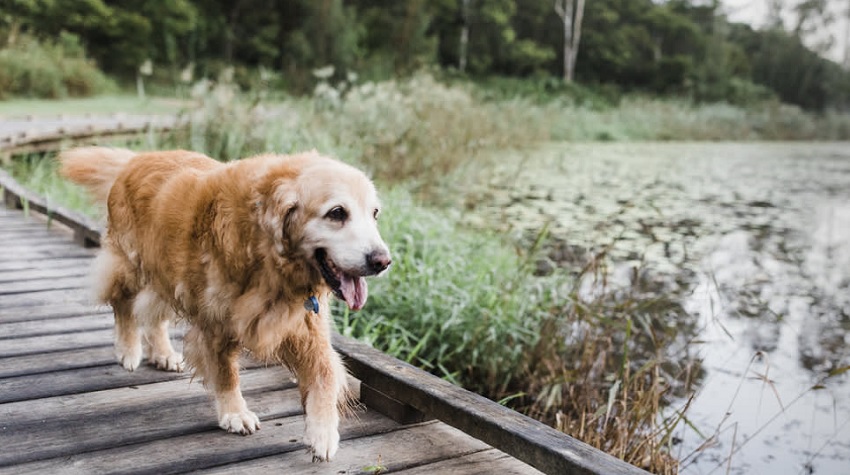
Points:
[95,168]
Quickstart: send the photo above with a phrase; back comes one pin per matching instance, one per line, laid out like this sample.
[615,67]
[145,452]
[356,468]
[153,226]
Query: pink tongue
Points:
[354,290]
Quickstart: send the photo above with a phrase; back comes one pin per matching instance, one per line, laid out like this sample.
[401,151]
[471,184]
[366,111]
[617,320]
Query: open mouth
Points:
[347,287]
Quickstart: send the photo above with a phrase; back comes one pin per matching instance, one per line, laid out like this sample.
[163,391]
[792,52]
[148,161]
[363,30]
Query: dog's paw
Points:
[130,358]
[169,362]
[244,422]
[323,440]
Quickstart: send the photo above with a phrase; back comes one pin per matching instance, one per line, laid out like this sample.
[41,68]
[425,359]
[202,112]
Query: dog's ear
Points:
[275,195]
[278,213]
[288,235]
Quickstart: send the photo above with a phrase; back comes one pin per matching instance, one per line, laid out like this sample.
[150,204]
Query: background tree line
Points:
[675,47]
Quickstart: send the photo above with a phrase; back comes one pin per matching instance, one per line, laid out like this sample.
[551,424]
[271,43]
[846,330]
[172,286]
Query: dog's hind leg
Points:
[113,285]
[155,315]
[128,339]
[324,389]
[215,358]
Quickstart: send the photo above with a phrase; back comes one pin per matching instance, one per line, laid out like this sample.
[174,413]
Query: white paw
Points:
[323,440]
[129,358]
[169,362]
[244,422]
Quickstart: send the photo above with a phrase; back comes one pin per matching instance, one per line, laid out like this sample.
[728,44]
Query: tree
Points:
[814,18]
[774,14]
[846,62]
[572,19]
[463,47]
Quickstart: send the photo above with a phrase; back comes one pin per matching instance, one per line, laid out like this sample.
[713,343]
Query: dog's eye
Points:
[375,213]
[337,214]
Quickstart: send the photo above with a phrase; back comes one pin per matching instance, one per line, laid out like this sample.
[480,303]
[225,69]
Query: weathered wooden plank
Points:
[40,285]
[14,276]
[50,310]
[37,328]
[409,447]
[486,462]
[132,397]
[55,342]
[396,410]
[35,238]
[58,361]
[26,225]
[539,445]
[50,253]
[59,262]
[13,232]
[78,376]
[18,233]
[126,416]
[210,449]
[14,303]
[11,252]
[86,231]
[89,379]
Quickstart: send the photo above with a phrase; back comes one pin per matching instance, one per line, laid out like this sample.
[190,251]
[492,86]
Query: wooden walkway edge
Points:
[406,398]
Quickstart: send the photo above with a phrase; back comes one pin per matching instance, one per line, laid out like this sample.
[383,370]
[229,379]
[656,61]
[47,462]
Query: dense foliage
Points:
[682,47]
[49,69]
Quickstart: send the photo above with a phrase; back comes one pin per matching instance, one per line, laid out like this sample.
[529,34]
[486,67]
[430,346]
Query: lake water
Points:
[753,240]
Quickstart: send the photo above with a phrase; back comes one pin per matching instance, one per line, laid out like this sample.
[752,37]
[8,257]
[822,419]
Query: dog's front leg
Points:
[216,359]
[323,385]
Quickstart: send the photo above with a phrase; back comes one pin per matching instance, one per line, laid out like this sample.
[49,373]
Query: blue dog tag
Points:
[312,304]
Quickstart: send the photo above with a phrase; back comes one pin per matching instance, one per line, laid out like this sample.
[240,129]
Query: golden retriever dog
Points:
[248,253]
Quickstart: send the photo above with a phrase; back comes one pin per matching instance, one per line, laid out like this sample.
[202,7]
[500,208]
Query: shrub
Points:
[464,305]
[51,70]
[420,130]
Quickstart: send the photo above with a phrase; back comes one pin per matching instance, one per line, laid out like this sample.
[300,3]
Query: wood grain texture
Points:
[21,275]
[57,361]
[133,416]
[38,285]
[485,462]
[409,447]
[30,301]
[538,445]
[50,309]
[57,263]
[71,324]
[205,449]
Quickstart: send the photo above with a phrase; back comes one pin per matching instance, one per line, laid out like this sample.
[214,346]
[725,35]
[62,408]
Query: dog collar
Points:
[311,304]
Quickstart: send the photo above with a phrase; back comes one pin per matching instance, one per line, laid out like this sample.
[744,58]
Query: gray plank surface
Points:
[411,447]
[78,323]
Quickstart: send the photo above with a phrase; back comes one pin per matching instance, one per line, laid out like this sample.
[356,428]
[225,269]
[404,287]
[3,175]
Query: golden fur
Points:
[236,250]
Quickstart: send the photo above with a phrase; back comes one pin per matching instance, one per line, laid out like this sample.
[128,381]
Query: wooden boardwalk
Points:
[66,407]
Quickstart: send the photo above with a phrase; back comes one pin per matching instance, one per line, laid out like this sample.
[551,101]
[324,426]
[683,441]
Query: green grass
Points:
[639,118]
[462,304]
[40,175]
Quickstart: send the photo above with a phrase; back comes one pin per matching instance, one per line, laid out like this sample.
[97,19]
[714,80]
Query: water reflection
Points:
[753,241]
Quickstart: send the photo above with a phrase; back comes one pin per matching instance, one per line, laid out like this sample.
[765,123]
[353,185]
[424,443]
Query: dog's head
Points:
[325,212]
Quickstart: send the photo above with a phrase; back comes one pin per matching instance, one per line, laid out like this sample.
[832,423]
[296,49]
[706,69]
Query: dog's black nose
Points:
[378,261]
